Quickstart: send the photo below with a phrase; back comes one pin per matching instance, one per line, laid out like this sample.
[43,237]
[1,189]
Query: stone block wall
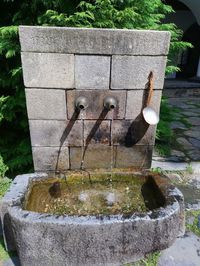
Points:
[61,64]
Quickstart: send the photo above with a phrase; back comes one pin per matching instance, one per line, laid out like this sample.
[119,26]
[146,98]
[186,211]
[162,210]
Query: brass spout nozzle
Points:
[81,103]
[110,103]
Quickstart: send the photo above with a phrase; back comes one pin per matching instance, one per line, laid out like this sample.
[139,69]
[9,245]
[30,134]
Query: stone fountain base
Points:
[44,239]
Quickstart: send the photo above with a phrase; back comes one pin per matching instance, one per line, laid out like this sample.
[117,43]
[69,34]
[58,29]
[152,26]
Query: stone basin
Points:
[49,239]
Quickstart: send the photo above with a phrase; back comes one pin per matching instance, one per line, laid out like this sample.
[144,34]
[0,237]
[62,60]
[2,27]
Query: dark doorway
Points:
[190,58]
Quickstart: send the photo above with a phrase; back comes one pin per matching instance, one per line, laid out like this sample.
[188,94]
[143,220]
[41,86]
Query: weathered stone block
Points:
[95,109]
[136,101]
[131,72]
[129,133]
[95,156]
[50,158]
[92,72]
[97,132]
[48,70]
[93,41]
[138,156]
[55,133]
[46,104]
[99,156]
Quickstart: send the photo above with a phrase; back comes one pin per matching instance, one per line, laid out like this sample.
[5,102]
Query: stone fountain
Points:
[85,92]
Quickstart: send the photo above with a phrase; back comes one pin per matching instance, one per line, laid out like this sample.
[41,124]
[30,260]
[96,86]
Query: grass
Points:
[150,260]
[193,227]
[4,185]
[4,255]
[163,149]
[158,170]
[164,133]
[189,169]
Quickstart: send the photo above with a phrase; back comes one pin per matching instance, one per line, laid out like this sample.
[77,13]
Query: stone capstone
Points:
[93,41]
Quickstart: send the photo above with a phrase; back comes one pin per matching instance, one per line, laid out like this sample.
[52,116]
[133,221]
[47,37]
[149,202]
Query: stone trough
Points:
[60,67]
[46,239]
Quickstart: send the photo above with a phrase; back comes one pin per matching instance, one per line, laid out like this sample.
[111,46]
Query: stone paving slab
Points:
[182,92]
[185,144]
[175,166]
[191,195]
[184,252]
[180,84]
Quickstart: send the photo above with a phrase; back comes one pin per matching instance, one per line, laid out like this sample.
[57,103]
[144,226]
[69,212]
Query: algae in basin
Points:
[92,195]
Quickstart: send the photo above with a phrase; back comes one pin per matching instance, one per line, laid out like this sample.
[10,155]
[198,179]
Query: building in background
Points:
[187,18]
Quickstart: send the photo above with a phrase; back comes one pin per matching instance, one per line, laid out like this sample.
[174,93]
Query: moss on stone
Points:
[85,194]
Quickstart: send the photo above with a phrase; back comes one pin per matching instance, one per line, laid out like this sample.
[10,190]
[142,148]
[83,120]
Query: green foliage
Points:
[157,170]
[189,169]
[193,227]
[3,167]
[164,134]
[150,260]
[4,185]
[14,133]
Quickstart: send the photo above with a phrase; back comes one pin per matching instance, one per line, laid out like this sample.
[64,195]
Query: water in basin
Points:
[82,194]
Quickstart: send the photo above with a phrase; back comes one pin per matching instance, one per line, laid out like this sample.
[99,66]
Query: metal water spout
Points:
[81,103]
[110,103]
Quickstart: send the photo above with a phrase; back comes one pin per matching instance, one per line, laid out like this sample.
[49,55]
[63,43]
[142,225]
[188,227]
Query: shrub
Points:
[3,167]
